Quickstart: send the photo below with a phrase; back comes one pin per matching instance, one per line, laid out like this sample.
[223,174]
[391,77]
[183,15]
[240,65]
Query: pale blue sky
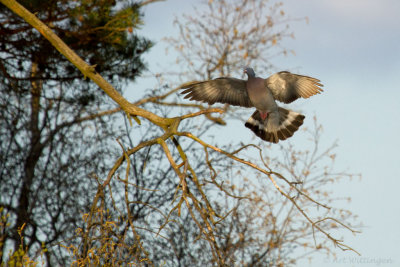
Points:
[353,47]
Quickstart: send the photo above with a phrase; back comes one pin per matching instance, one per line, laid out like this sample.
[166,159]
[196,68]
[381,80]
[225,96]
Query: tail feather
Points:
[288,123]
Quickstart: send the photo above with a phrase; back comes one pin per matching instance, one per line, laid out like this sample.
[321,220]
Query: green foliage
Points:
[102,32]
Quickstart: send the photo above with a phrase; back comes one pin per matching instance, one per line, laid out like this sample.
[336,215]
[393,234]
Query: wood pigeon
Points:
[269,122]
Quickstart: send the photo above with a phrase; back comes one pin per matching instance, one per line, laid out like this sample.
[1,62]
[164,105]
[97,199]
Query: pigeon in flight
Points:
[269,122]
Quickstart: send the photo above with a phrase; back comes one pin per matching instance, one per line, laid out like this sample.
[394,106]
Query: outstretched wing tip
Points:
[188,85]
[223,90]
[287,87]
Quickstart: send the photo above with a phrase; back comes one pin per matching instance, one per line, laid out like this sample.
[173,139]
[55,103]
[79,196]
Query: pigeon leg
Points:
[263,114]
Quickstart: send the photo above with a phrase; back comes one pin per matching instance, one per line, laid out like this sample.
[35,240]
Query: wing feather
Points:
[223,90]
[287,87]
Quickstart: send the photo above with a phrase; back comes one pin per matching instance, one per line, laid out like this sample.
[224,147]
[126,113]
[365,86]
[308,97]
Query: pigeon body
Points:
[261,98]
[269,122]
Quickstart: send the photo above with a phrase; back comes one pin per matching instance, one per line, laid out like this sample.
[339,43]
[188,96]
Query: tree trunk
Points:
[32,158]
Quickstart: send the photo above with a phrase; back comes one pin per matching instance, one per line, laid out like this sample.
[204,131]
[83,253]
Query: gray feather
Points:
[223,90]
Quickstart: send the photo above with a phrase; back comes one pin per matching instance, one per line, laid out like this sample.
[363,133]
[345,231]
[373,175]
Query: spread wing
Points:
[287,87]
[223,90]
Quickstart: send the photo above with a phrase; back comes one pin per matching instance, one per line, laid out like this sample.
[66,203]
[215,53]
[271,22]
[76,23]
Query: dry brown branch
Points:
[270,174]
[146,2]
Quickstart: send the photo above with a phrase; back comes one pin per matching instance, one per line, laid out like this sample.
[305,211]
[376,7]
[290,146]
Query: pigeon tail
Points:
[275,128]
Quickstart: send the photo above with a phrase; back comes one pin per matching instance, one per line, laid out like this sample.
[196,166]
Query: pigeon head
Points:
[250,72]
